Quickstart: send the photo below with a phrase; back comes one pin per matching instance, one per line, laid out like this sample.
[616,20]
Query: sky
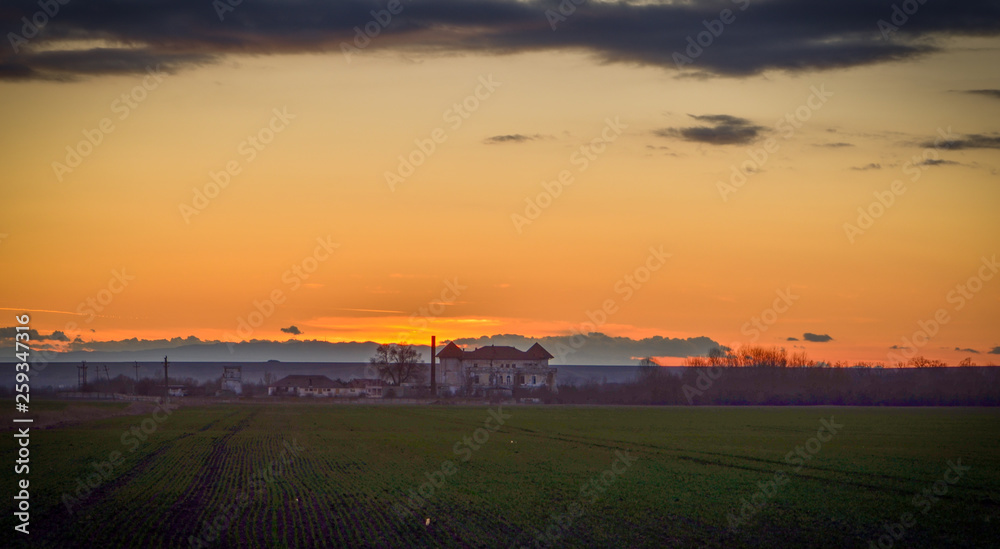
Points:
[818,176]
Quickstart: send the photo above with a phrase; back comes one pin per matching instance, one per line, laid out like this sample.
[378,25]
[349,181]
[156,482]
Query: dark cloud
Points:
[788,35]
[939,162]
[989,93]
[816,338]
[872,166]
[967,350]
[792,339]
[592,349]
[511,138]
[724,130]
[995,351]
[971,141]
[9,332]
[134,344]
[72,65]
[294,330]
[598,348]
[835,145]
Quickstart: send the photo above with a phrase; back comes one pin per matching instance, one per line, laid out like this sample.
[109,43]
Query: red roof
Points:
[451,351]
[538,352]
[495,352]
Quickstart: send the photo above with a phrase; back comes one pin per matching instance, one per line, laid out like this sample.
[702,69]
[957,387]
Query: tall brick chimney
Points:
[433,369]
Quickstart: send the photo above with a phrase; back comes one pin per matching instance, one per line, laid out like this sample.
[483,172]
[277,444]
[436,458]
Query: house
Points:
[177,390]
[494,369]
[322,386]
[371,387]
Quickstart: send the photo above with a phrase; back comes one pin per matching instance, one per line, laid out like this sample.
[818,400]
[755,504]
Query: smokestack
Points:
[433,369]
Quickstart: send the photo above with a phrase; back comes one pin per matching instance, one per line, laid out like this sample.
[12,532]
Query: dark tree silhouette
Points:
[397,364]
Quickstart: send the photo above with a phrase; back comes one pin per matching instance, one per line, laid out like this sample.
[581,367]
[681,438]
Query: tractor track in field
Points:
[101,493]
[185,512]
[765,467]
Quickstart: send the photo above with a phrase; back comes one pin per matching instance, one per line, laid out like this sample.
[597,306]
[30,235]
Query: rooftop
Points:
[495,352]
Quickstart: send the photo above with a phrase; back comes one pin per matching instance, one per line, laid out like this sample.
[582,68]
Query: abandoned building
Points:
[494,369]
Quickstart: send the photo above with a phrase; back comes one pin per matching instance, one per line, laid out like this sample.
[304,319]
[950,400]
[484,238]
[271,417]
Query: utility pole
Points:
[166,380]
[81,378]
[135,388]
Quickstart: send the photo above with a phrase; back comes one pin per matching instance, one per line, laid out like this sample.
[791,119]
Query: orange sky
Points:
[444,240]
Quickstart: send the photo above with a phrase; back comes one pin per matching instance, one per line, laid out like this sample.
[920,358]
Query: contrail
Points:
[69,313]
[42,311]
[368,310]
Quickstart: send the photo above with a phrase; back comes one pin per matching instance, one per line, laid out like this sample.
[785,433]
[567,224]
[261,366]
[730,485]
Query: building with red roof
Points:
[495,368]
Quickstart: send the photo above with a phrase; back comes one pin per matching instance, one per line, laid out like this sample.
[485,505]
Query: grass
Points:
[338,476]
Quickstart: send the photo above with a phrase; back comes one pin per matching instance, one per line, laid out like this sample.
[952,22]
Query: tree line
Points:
[755,375]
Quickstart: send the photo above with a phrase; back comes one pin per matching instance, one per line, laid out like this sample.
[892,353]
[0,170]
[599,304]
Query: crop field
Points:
[322,475]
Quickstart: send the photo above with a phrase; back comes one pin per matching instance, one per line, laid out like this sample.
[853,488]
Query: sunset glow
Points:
[422,186]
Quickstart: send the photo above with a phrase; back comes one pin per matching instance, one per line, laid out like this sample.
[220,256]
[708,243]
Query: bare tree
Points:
[397,364]
[649,370]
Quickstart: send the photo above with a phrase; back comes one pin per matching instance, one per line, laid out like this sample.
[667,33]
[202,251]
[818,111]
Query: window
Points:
[533,382]
[508,379]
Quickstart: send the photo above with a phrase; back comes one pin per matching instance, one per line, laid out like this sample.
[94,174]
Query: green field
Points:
[341,475]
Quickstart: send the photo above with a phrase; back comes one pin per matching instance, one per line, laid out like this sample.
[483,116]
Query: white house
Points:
[494,368]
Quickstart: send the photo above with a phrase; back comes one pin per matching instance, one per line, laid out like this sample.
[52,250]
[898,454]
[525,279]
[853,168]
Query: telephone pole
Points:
[81,378]
[166,380]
